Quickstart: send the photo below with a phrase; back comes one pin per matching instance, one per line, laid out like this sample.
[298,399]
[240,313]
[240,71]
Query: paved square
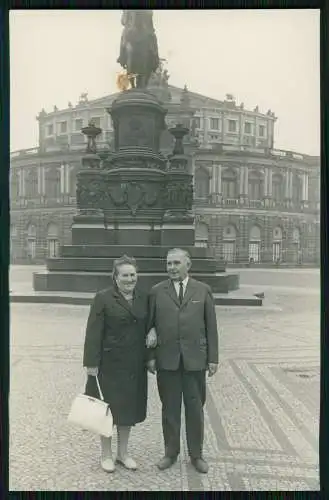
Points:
[261,416]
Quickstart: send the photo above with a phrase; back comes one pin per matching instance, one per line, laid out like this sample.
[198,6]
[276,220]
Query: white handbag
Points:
[92,414]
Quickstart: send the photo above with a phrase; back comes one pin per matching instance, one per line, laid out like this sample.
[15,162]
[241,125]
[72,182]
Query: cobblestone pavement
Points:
[261,415]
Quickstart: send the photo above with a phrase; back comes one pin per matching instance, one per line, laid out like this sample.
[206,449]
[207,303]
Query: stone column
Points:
[216,183]
[22,182]
[246,181]
[270,177]
[62,168]
[19,175]
[219,179]
[290,184]
[43,181]
[213,187]
[242,186]
[266,183]
[39,181]
[67,178]
[305,187]
[287,185]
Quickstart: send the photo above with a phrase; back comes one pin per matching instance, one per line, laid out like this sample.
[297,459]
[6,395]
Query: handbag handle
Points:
[99,388]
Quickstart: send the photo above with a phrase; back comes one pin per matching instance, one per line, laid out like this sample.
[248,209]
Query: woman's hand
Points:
[93,372]
[151,339]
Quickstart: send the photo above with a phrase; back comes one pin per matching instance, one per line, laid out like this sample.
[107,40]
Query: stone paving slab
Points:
[261,415]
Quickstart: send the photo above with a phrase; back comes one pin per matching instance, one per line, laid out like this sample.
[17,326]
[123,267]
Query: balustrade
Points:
[283,205]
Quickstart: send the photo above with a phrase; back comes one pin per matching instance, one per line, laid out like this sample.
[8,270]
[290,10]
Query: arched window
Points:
[229,184]
[255,185]
[31,241]
[31,183]
[201,235]
[277,187]
[277,244]
[254,244]
[52,240]
[229,243]
[53,182]
[201,181]
[297,186]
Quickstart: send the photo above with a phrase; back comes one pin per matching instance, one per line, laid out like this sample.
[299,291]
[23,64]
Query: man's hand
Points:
[151,366]
[151,339]
[92,371]
[212,369]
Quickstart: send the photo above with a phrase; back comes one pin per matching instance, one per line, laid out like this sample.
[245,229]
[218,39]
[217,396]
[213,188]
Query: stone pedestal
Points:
[133,202]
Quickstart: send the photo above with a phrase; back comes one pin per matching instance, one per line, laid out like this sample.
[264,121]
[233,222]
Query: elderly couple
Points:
[172,331]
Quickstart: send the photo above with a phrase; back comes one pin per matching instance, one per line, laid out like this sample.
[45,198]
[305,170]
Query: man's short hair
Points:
[125,259]
[182,251]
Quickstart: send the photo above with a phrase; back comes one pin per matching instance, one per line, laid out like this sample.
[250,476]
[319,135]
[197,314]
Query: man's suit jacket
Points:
[188,330]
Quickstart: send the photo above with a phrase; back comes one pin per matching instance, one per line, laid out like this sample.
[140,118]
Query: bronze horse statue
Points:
[139,47]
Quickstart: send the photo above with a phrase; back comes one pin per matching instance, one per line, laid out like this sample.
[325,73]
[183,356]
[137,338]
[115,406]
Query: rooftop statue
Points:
[139,47]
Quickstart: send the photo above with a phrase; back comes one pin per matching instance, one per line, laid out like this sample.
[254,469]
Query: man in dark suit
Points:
[183,314]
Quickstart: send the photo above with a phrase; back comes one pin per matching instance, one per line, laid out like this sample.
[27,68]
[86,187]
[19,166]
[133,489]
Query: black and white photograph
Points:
[164,250]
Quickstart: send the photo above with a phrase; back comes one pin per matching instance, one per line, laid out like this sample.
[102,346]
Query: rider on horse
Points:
[139,48]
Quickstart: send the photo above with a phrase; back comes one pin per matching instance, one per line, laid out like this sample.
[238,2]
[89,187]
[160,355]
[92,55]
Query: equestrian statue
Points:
[139,47]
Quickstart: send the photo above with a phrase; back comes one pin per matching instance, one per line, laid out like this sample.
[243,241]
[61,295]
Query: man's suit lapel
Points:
[170,289]
[189,292]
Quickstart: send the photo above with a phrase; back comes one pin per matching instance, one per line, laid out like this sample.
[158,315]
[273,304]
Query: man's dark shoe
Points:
[166,462]
[200,465]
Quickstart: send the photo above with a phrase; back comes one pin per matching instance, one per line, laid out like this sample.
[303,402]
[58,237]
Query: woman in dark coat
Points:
[115,349]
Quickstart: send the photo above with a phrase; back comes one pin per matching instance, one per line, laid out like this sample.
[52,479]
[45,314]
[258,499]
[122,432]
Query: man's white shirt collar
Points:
[176,285]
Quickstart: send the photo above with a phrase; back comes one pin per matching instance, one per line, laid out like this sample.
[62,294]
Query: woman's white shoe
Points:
[127,462]
[108,465]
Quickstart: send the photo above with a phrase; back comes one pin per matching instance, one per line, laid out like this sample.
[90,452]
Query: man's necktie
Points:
[181,292]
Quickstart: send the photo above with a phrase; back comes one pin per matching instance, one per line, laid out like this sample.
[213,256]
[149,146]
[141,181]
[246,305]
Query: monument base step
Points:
[86,298]
[91,282]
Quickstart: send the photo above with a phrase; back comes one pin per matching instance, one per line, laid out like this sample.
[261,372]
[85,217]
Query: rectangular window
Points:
[277,251]
[78,124]
[261,130]
[53,246]
[254,251]
[214,123]
[31,248]
[247,128]
[229,189]
[96,121]
[232,126]
[50,129]
[63,127]
[229,251]
[254,191]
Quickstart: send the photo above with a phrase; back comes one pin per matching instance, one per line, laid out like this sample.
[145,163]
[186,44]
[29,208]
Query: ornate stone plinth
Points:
[135,202]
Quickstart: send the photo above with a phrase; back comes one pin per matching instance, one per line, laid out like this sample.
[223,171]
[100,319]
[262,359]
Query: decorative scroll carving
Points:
[134,195]
[179,195]
[91,193]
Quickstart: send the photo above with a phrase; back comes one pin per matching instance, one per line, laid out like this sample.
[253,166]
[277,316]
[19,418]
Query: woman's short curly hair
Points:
[125,259]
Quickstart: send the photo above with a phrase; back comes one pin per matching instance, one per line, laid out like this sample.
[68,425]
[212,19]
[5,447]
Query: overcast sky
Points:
[265,57]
